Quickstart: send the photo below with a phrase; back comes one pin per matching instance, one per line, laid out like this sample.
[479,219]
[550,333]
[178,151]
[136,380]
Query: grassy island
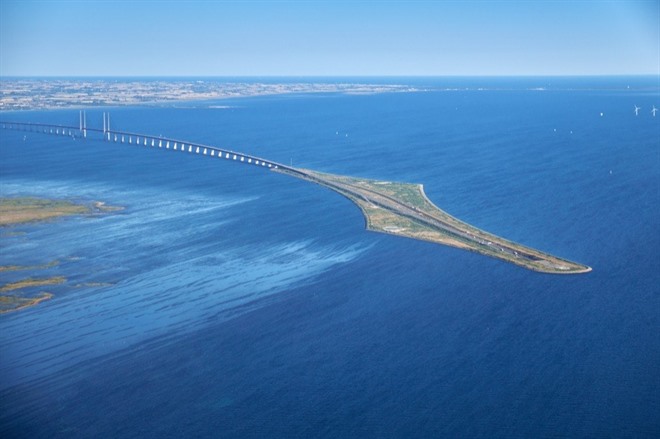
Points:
[24,210]
[16,211]
[27,209]
[15,303]
[30,282]
[402,209]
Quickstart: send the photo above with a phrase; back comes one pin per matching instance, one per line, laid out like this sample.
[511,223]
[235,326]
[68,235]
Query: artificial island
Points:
[400,209]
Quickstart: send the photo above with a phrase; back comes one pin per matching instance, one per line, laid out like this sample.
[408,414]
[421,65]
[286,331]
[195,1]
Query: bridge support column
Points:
[84,124]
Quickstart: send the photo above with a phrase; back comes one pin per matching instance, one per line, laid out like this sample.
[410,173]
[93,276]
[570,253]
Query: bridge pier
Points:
[139,139]
[83,124]
[106,124]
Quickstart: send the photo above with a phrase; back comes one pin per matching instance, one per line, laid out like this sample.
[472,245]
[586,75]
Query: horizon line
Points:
[578,75]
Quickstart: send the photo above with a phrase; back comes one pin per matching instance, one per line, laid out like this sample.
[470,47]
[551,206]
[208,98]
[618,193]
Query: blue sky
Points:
[316,38]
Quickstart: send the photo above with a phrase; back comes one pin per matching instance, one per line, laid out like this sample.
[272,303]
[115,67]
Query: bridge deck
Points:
[391,208]
[138,139]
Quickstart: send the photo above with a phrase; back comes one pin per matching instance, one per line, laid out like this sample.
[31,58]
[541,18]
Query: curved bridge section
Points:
[144,140]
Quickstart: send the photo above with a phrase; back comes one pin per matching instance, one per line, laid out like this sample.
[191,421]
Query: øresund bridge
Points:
[82,130]
[400,209]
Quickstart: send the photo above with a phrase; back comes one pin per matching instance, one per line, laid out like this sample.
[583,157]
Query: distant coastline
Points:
[53,93]
[47,93]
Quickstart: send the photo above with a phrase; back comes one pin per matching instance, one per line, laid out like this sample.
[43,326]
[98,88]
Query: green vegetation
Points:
[23,210]
[30,282]
[14,303]
[402,209]
[27,209]
[28,267]
[14,211]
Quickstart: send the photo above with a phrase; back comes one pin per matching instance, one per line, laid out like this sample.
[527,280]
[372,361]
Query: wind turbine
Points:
[654,110]
[637,110]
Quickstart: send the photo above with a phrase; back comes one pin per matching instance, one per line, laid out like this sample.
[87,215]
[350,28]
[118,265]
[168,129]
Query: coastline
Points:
[22,210]
[404,210]
[47,94]
[15,295]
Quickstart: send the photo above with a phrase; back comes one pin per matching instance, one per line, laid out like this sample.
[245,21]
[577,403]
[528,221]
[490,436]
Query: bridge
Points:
[399,209]
[115,136]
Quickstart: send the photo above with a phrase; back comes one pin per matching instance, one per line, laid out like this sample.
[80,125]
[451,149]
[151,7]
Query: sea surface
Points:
[225,300]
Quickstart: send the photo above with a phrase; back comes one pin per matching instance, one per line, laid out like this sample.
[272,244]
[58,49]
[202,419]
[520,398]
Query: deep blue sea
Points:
[244,303]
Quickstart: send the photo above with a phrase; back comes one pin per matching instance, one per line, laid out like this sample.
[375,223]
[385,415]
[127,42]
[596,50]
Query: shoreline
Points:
[20,211]
[30,94]
[25,210]
[404,210]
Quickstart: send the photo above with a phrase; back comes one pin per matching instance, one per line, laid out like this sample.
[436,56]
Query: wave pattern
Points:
[163,285]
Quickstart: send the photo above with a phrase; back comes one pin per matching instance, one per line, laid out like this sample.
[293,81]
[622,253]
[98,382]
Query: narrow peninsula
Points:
[402,209]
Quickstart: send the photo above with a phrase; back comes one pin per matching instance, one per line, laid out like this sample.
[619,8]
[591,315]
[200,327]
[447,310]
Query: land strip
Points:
[16,303]
[34,93]
[402,209]
[27,209]
[17,211]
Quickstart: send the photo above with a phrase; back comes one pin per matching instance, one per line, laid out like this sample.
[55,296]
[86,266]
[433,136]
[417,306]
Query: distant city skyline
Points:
[316,38]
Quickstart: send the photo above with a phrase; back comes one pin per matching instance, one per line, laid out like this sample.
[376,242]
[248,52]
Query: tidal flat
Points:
[20,294]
